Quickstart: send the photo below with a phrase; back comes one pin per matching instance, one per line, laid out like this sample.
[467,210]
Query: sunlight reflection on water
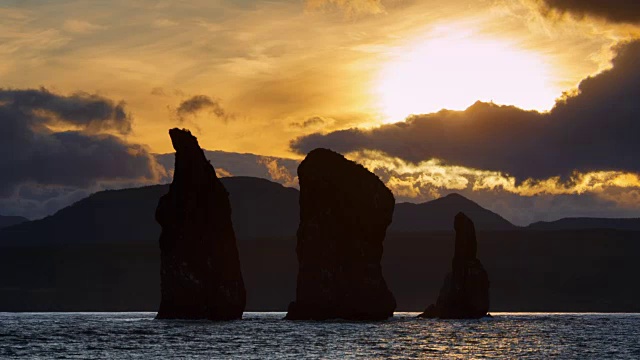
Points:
[266,335]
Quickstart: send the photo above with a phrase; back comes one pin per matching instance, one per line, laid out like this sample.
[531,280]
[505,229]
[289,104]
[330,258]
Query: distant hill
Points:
[437,215]
[101,254]
[260,208]
[587,224]
[6,221]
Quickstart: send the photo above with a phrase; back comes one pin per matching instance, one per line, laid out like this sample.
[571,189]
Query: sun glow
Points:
[452,69]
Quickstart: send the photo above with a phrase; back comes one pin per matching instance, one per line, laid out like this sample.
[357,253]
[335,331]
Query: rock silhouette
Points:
[465,292]
[200,267]
[344,213]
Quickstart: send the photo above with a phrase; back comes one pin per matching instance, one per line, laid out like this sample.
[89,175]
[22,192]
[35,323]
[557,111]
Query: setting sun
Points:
[452,69]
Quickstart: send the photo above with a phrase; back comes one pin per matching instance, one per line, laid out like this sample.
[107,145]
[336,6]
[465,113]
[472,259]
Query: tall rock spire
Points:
[200,267]
[465,292]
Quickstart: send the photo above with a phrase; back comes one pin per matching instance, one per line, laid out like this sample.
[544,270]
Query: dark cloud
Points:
[613,10]
[310,122]
[90,112]
[199,103]
[158,91]
[32,153]
[598,129]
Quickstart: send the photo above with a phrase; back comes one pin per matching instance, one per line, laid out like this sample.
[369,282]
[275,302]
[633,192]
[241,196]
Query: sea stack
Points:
[200,267]
[344,214]
[465,292]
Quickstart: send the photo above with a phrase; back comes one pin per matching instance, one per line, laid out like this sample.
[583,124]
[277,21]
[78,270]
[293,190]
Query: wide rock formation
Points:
[200,267]
[465,292]
[344,214]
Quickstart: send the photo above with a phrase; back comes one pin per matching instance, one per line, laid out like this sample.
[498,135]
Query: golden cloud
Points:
[425,180]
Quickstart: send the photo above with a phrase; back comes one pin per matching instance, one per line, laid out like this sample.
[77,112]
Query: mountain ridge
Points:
[128,215]
[436,215]
[82,264]
[587,223]
[7,221]
[261,208]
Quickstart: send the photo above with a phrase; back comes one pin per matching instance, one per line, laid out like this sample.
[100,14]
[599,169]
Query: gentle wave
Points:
[267,336]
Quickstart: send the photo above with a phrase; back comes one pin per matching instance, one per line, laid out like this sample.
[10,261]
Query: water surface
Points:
[266,335]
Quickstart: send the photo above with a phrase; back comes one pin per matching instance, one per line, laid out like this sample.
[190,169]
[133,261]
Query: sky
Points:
[528,107]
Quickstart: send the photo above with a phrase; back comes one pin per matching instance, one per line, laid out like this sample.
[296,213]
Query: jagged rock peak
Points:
[344,213]
[200,266]
[183,140]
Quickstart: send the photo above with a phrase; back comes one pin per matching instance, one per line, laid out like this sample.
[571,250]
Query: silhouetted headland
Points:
[200,267]
[344,213]
[465,292]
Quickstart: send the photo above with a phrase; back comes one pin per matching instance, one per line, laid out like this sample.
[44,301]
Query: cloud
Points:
[281,170]
[49,139]
[198,103]
[612,10]
[350,7]
[35,201]
[424,179]
[89,112]
[163,23]
[315,121]
[220,172]
[596,130]
[523,211]
[158,91]
[278,172]
[81,26]
[600,194]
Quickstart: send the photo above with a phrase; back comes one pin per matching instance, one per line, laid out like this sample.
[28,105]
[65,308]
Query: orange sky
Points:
[271,64]
[277,70]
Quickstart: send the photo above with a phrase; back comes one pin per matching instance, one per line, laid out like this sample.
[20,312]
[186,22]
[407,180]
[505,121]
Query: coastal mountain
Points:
[106,216]
[261,208]
[587,224]
[436,215]
[102,254]
[6,221]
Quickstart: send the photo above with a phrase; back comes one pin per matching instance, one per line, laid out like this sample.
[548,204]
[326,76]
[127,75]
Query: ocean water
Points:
[267,336]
